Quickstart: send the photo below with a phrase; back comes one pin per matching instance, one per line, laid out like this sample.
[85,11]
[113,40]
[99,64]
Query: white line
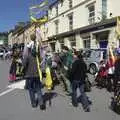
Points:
[7,91]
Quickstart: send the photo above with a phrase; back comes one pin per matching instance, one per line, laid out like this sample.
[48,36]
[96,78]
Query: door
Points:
[103,43]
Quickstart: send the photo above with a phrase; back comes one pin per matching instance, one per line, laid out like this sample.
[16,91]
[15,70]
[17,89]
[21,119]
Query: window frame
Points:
[70,3]
[91,14]
[70,17]
[72,40]
[86,42]
[56,26]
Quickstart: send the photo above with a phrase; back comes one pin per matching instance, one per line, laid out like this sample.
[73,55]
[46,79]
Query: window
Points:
[57,10]
[86,42]
[70,17]
[62,44]
[70,3]
[52,46]
[91,10]
[104,9]
[72,40]
[56,26]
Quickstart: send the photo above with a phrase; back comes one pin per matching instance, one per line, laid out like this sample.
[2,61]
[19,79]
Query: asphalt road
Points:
[15,104]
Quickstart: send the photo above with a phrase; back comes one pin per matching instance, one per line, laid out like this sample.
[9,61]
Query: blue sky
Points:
[13,11]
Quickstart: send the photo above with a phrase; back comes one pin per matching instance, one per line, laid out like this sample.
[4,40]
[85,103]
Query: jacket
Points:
[78,71]
[117,67]
[30,66]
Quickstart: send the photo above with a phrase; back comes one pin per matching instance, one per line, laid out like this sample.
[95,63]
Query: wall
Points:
[113,7]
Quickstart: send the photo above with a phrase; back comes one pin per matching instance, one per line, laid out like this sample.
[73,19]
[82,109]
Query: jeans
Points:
[35,91]
[83,96]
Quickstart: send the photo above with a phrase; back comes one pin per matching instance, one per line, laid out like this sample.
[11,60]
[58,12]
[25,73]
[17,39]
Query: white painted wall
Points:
[80,16]
[1,42]
[113,7]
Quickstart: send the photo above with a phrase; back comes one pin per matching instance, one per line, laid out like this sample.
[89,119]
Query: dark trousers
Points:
[116,85]
[84,98]
[35,91]
[110,82]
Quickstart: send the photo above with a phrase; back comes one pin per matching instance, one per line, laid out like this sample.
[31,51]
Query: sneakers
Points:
[34,105]
[87,109]
[42,107]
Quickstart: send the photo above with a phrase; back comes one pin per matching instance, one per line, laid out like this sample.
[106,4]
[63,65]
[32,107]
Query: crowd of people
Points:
[41,68]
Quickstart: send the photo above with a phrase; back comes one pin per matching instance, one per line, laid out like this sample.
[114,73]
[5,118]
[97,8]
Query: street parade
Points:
[61,65]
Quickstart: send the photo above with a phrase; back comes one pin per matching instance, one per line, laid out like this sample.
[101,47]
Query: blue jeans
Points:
[35,91]
[83,96]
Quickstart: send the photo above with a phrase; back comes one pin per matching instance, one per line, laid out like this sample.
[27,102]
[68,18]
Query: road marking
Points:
[17,85]
[7,91]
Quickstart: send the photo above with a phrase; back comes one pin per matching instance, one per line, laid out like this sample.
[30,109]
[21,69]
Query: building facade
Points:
[21,36]
[83,23]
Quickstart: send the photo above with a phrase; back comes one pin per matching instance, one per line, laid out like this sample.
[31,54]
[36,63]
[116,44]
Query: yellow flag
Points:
[118,26]
[39,70]
[42,20]
[33,19]
[48,81]
[112,55]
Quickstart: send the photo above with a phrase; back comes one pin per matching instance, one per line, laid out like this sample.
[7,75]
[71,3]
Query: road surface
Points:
[15,103]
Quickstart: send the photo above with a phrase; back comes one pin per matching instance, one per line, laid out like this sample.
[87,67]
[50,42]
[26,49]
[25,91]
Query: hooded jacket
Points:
[78,71]
[30,65]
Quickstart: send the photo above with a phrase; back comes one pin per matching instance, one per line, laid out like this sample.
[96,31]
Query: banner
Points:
[41,5]
[42,20]
[118,27]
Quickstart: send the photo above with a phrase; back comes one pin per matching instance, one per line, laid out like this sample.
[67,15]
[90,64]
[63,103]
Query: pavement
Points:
[15,103]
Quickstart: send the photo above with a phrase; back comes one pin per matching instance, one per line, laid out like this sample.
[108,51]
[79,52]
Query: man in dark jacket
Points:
[78,74]
[32,76]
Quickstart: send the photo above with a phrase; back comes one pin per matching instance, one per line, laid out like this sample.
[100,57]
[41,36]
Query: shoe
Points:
[90,102]
[87,109]
[75,104]
[42,107]
[69,94]
[34,105]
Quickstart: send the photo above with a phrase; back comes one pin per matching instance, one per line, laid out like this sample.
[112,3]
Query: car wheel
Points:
[93,69]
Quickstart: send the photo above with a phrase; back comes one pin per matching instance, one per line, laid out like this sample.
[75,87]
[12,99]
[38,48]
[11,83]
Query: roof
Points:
[20,30]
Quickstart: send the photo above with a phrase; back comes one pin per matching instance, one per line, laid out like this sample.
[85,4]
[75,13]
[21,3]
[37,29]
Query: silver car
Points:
[92,57]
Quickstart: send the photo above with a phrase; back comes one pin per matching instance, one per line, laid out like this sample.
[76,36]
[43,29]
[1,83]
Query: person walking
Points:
[13,66]
[78,75]
[32,75]
[110,68]
[117,71]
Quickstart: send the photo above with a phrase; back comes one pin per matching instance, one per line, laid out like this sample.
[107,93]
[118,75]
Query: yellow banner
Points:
[42,20]
[118,26]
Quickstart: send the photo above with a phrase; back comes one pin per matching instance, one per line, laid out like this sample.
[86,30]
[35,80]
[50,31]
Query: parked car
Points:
[4,53]
[1,53]
[92,57]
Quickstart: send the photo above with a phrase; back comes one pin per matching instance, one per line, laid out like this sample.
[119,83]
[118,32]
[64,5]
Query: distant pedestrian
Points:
[12,72]
[13,66]
[78,75]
